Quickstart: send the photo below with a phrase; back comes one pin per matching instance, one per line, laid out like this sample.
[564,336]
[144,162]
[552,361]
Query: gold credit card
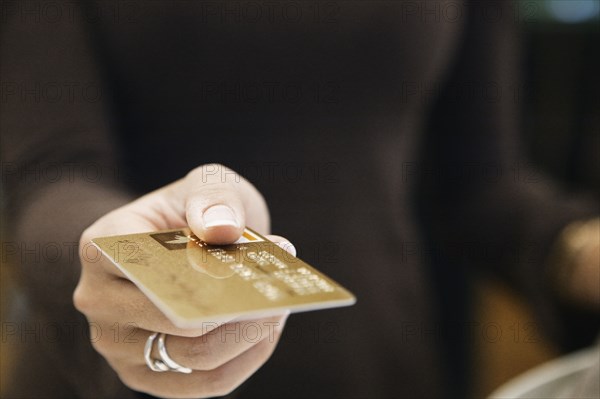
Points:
[194,283]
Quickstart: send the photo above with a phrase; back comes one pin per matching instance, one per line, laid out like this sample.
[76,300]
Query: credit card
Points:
[194,283]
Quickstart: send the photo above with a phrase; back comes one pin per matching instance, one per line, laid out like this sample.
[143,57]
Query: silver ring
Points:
[166,359]
[153,364]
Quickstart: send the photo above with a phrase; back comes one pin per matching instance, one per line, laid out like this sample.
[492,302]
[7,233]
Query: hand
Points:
[216,203]
[584,282]
[578,263]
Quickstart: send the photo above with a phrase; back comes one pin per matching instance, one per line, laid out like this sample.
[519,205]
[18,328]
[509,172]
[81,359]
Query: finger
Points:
[158,210]
[207,352]
[214,207]
[283,243]
[219,203]
[190,201]
[218,382]
[120,302]
[155,211]
[223,344]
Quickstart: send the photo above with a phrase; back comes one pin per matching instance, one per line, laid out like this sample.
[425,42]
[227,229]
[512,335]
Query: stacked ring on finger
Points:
[165,363]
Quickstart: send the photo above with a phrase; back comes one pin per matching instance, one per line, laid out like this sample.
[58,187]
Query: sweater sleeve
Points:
[486,204]
[59,174]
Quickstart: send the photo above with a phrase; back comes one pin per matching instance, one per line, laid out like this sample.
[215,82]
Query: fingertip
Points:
[217,224]
[283,243]
[287,246]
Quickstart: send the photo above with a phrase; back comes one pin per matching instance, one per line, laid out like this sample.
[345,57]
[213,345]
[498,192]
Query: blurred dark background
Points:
[561,89]
[560,97]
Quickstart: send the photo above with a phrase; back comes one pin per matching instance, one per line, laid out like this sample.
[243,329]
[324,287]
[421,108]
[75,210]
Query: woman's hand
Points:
[216,203]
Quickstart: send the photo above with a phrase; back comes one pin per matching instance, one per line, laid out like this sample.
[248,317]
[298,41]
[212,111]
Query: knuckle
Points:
[85,238]
[212,173]
[86,300]
[206,170]
[214,191]
[81,299]
[213,165]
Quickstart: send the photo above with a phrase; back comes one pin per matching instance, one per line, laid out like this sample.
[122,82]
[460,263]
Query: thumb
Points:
[214,205]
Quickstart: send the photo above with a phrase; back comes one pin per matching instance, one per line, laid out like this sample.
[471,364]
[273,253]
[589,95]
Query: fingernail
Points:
[287,246]
[219,215]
